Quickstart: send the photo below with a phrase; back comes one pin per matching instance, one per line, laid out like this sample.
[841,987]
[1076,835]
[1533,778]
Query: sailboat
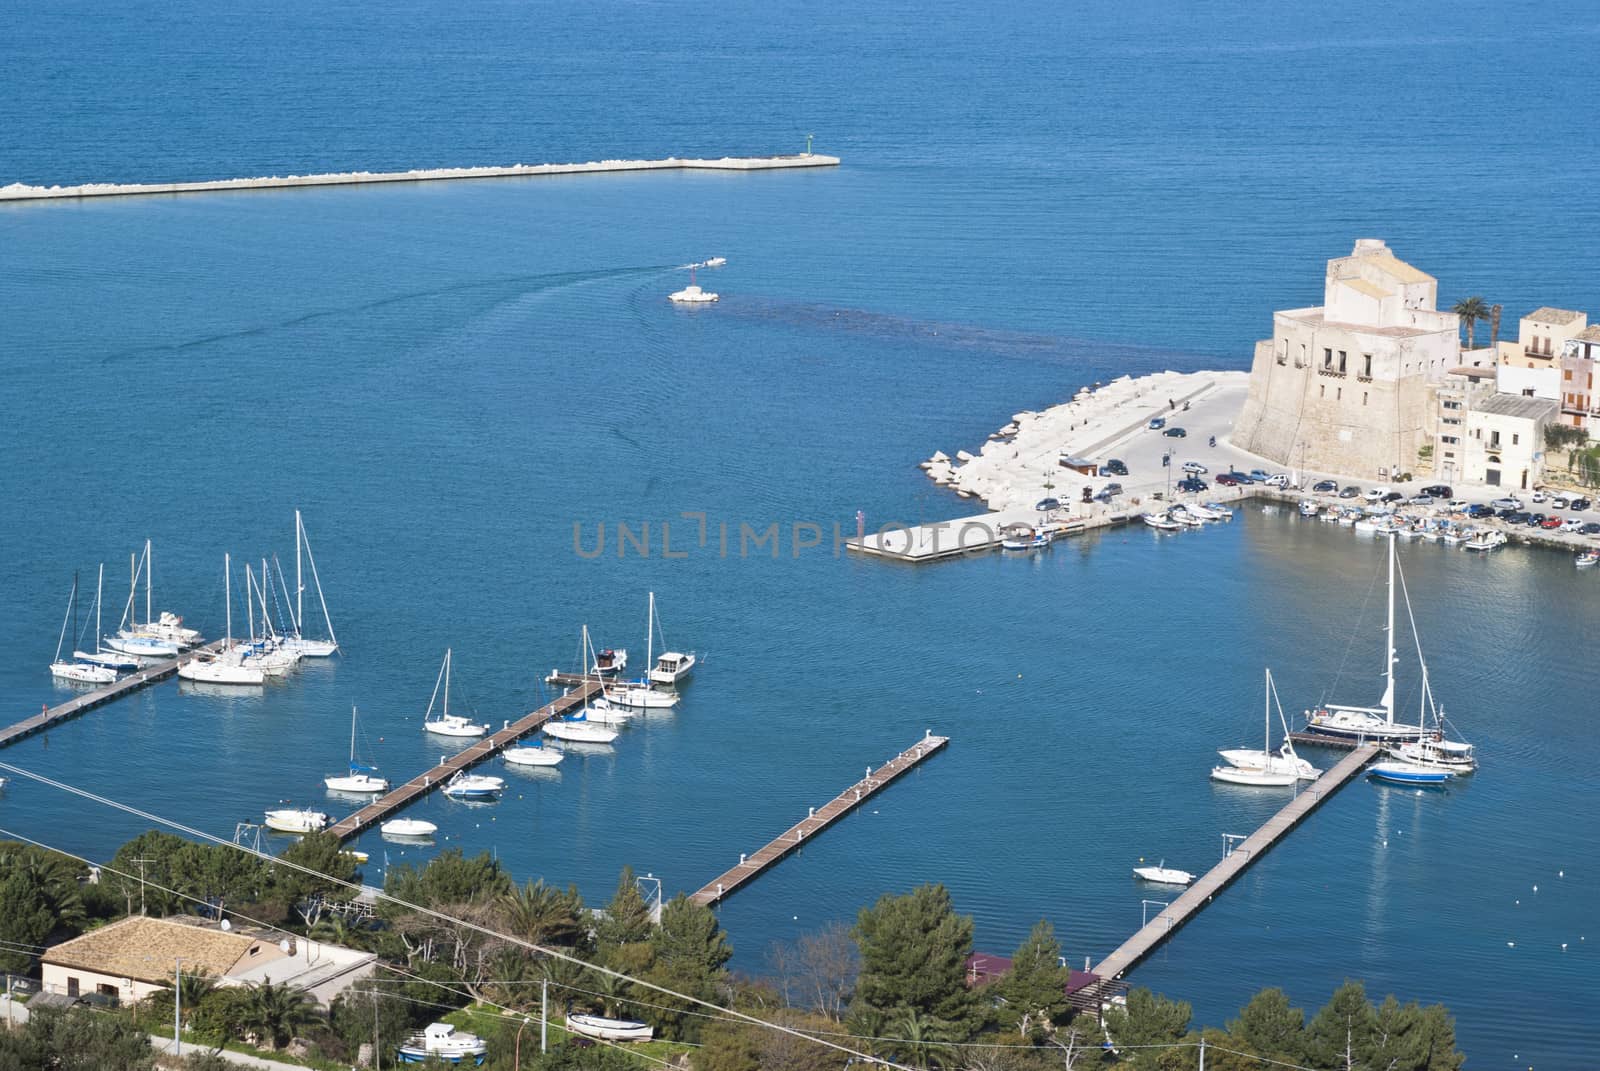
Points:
[1284,760]
[600,710]
[298,641]
[360,779]
[448,724]
[227,667]
[639,694]
[100,656]
[1369,724]
[79,672]
[130,638]
[168,626]
[534,754]
[267,653]
[578,729]
[1433,752]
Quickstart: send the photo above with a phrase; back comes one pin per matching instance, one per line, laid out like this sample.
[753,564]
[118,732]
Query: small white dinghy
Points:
[598,1026]
[296,820]
[408,827]
[1163,874]
[448,724]
[1160,522]
[534,754]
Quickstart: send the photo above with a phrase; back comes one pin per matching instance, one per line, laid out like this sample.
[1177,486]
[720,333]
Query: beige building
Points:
[1580,405]
[1504,444]
[1348,386]
[131,959]
[1456,394]
[1542,338]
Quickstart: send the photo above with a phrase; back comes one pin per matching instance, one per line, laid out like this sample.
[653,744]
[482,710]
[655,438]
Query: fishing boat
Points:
[1370,724]
[448,724]
[577,728]
[1163,874]
[1161,522]
[408,827]
[610,662]
[535,754]
[1309,507]
[465,786]
[1451,756]
[1587,558]
[443,1042]
[78,672]
[1406,773]
[228,666]
[298,641]
[692,294]
[598,1026]
[1266,761]
[1485,539]
[359,779]
[715,262]
[1023,537]
[1224,513]
[296,820]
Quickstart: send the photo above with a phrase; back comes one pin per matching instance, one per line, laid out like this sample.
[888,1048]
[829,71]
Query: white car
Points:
[1559,501]
[1456,504]
[1538,496]
[1278,479]
[1506,503]
[1376,494]
[1572,524]
[1195,468]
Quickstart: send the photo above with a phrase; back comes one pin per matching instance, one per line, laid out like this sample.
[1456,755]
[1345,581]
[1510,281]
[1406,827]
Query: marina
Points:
[755,864]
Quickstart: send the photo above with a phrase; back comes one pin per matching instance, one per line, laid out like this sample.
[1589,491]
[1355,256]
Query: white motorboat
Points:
[1485,539]
[448,724]
[715,262]
[598,1026]
[1181,516]
[1163,874]
[296,820]
[1588,558]
[692,294]
[1310,507]
[465,786]
[441,1041]
[1406,773]
[82,673]
[534,754]
[1199,512]
[360,779]
[109,659]
[166,629]
[1016,536]
[1224,513]
[1161,522]
[408,827]
[1370,724]
[1267,761]
[672,667]
[610,662]
[579,729]
[1436,753]
[142,646]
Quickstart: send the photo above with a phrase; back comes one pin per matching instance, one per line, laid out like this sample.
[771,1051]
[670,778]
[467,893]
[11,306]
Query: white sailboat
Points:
[228,667]
[639,694]
[101,656]
[130,639]
[360,777]
[600,710]
[534,754]
[448,724]
[168,626]
[578,729]
[1371,724]
[78,672]
[1432,751]
[1266,761]
[299,641]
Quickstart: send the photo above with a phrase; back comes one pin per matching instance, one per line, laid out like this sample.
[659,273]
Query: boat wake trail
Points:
[514,286]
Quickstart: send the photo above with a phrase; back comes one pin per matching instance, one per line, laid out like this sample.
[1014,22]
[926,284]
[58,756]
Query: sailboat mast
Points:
[227,584]
[1388,644]
[74,611]
[249,601]
[299,584]
[317,580]
[650,638]
[1266,715]
[447,682]
[149,568]
[352,736]
[70,600]
[99,589]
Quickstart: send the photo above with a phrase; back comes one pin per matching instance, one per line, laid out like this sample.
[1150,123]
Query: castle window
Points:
[1366,365]
[1341,361]
[1327,358]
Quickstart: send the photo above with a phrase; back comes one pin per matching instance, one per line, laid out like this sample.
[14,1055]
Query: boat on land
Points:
[448,724]
[1163,874]
[408,827]
[599,1026]
[1407,773]
[296,820]
[1267,765]
[465,786]
[1370,724]
[535,754]
[1161,522]
[577,728]
[443,1042]
[360,779]
[77,671]
[229,666]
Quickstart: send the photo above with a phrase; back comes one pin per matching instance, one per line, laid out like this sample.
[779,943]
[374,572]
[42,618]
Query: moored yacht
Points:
[296,820]
[448,724]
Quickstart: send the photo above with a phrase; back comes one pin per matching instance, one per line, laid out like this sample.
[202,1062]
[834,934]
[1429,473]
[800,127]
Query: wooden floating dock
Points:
[1199,894]
[381,808]
[133,682]
[752,866]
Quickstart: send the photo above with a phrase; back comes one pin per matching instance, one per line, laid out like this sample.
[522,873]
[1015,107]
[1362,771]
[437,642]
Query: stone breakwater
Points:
[18,191]
[1022,461]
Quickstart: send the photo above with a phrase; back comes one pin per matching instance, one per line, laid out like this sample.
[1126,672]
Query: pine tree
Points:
[914,951]
[1035,992]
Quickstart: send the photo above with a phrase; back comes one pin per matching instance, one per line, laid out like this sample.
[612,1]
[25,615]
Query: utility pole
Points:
[177,1007]
[1202,1052]
[544,1016]
[141,861]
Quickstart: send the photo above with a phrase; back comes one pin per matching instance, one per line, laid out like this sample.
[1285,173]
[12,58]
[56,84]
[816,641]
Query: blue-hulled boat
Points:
[1405,773]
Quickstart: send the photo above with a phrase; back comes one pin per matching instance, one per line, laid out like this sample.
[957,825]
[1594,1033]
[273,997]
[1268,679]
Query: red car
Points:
[1228,479]
[1552,522]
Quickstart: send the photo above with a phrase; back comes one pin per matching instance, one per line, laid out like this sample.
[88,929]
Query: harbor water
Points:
[461,385]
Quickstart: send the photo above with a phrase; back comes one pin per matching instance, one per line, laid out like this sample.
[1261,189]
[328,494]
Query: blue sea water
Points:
[448,378]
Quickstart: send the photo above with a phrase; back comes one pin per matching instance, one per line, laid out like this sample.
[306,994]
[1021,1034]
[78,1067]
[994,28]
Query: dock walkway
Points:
[1198,895]
[491,745]
[78,704]
[752,866]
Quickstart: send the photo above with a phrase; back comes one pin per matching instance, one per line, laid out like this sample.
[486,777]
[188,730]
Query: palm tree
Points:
[540,913]
[922,1037]
[274,1012]
[1471,310]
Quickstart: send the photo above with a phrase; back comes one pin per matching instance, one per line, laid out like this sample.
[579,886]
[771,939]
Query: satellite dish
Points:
[226,925]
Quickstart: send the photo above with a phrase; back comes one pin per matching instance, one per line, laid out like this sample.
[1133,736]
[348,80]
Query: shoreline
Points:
[19,191]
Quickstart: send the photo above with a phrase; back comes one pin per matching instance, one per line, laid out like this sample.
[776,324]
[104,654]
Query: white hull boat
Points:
[579,730]
[1200,513]
[1308,508]
[1161,523]
[81,673]
[298,642]
[603,712]
[533,755]
[598,1026]
[465,786]
[408,827]
[443,1042]
[293,820]
[1406,773]
[142,646]
[1260,778]
[610,662]
[120,663]
[1266,762]
[1163,874]
[1278,761]
[672,667]
[448,724]
[220,671]
[1451,756]
[641,697]
[360,779]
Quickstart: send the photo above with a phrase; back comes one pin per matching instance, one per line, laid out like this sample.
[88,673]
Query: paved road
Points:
[162,1045]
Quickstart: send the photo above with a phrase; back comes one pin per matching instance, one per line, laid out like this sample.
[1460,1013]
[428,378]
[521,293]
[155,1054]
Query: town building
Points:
[1348,386]
[1580,405]
[1504,441]
[1456,394]
[130,959]
[1532,365]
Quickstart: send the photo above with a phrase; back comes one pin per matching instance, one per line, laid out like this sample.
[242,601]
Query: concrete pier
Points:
[21,192]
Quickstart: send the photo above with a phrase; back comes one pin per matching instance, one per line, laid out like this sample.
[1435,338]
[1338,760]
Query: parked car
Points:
[1113,467]
[1559,501]
[1158,422]
[1420,500]
[1478,510]
[1230,479]
[1438,490]
[1111,489]
[1193,485]
[1376,494]
[1325,486]
[1394,496]
[1194,468]
[1350,492]
[1258,475]
[1592,528]
[1550,524]
[1534,520]
[1538,496]
[1517,516]
[1572,524]
[1506,503]
[1278,479]
[1456,504]
[1509,512]
[1579,503]
[1175,433]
